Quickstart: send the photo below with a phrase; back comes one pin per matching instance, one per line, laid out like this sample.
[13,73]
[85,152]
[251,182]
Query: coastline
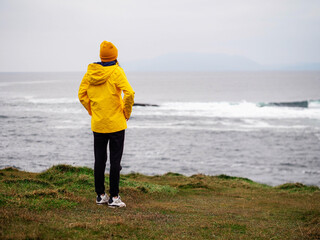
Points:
[59,203]
[222,175]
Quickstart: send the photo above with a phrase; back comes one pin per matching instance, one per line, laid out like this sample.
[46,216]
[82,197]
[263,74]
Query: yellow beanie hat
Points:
[108,52]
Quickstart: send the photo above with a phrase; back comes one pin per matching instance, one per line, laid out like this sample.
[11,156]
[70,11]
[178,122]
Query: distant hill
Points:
[297,67]
[208,62]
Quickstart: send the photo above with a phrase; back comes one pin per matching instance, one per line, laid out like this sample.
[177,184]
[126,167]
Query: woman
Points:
[100,93]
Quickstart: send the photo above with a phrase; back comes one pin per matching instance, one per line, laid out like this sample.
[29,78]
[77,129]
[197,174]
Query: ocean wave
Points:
[296,104]
[195,105]
[229,110]
[299,104]
[289,164]
[314,104]
[318,136]
[246,125]
[241,110]
[4,84]
[51,100]
[311,172]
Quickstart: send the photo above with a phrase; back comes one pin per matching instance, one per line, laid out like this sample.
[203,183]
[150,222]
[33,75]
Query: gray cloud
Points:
[65,35]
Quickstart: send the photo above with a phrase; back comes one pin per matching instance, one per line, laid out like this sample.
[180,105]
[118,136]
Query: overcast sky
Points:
[64,35]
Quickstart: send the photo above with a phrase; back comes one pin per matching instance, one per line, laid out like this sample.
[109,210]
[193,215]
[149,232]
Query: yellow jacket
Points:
[100,93]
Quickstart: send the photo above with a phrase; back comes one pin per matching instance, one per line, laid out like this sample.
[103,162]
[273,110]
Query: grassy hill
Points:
[60,203]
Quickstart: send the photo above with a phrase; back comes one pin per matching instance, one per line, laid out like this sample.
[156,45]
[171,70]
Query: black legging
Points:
[100,154]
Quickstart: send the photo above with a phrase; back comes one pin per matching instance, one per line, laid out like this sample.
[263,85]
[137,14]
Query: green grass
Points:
[60,204]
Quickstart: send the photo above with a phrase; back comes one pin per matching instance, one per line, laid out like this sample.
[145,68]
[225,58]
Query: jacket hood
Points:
[98,74]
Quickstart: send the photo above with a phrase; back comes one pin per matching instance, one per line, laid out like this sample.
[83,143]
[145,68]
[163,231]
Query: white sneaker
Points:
[102,199]
[116,202]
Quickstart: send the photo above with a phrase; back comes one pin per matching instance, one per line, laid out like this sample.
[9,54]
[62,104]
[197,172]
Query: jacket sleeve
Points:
[82,94]
[128,99]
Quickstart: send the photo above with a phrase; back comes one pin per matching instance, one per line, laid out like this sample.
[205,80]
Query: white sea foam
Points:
[51,100]
[228,110]
[227,126]
[195,128]
[13,83]
[69,126]
[314,104]
[247,110]
[311,172]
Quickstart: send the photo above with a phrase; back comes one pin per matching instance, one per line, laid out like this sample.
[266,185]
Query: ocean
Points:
[264,126]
